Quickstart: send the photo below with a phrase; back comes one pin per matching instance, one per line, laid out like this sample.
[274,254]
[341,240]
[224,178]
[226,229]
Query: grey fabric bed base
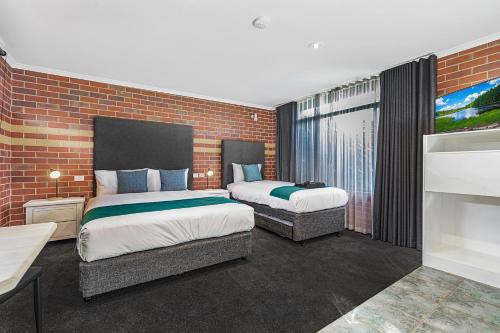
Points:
[299,226]
[105,275]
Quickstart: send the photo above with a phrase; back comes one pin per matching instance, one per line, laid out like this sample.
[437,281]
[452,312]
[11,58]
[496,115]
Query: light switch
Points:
[195,175]
[79,178]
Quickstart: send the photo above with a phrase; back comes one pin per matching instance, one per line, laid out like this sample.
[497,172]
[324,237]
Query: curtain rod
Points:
[338,85]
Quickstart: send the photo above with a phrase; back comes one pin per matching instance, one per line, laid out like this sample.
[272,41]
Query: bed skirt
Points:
[105,275]
[299,226]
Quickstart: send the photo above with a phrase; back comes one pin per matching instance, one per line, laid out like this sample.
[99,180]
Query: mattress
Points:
[308,200]
[118,235]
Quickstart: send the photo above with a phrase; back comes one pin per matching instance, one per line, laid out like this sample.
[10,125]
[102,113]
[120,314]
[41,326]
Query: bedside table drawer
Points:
[60,213]
[66,212]
[64,230]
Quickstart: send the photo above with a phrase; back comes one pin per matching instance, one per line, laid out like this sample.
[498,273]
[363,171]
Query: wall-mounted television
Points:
[475,107]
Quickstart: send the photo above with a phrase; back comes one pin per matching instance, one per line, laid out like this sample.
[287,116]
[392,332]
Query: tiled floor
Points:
[426,300]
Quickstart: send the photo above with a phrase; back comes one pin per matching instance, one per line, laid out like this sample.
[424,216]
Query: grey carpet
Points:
[282,287]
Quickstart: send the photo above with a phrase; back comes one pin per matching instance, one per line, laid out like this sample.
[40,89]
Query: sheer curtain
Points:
[335,144]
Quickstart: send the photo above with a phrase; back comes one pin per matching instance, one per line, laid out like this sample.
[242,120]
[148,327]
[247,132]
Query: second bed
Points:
[297,214]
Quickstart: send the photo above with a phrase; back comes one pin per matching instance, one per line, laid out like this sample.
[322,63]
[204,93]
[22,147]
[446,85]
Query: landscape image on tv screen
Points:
[476,107]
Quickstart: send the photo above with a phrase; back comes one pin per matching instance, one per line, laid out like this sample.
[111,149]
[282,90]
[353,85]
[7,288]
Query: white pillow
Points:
[238,175]
[107,181]
[154,180]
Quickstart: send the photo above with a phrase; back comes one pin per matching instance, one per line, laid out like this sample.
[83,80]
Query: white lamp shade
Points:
[210,173]
[55,174]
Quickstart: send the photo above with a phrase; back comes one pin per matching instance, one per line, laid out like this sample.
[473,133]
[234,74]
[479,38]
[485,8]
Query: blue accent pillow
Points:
[173,180]
[251,172]
[132,181]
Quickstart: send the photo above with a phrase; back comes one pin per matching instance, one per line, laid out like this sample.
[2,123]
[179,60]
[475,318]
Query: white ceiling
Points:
[209,48]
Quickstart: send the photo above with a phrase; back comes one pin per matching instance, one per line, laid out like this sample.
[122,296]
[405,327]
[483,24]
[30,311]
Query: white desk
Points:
[19,247]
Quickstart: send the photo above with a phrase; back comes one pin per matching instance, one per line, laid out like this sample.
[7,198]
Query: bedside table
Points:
[65,212]
[216,192]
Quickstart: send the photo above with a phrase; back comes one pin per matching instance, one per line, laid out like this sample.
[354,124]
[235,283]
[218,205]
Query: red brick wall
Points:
[466,68]
[5,149]
[52,128]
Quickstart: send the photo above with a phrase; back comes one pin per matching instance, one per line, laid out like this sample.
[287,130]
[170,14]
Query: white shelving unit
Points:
[461,217]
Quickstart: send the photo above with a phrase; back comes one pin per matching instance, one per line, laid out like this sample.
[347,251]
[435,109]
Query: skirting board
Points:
[105,275]
[470,272]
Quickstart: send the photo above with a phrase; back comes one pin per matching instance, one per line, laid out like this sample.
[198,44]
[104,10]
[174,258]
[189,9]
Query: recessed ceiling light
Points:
[316,45]
[261,22]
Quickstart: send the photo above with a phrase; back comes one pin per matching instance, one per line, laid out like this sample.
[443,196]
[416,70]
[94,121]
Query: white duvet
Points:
[114,236]
[309,200]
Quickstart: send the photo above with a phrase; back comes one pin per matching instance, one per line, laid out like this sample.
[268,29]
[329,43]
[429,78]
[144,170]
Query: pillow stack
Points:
[246,172]
[140,180]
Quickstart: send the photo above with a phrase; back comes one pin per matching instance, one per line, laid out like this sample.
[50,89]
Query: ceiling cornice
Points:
[13,63]
[439,54]
[468,45]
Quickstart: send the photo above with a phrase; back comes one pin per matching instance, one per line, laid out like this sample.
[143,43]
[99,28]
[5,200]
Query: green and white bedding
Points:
[287,196]
[285,192]
[118,224]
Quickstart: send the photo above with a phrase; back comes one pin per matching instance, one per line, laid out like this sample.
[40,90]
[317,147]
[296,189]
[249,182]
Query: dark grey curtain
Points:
[285,141]
[407,97]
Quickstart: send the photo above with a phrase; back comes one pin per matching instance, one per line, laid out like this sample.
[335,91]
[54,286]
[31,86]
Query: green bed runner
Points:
[284,192]
[144,207]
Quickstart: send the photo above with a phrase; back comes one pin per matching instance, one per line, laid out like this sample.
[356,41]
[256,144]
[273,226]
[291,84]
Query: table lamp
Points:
[55,174]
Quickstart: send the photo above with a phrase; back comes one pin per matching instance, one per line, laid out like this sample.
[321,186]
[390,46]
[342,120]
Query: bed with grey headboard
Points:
[240,152]
[130,144]
[121,144]
[295,226]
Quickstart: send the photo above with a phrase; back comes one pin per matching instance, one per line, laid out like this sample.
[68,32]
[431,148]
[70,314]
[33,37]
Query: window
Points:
[335,143]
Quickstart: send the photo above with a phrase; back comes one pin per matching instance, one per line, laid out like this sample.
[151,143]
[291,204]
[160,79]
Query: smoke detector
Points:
[261,22]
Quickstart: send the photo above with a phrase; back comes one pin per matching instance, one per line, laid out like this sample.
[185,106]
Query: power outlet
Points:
[195,175]
[79,178]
